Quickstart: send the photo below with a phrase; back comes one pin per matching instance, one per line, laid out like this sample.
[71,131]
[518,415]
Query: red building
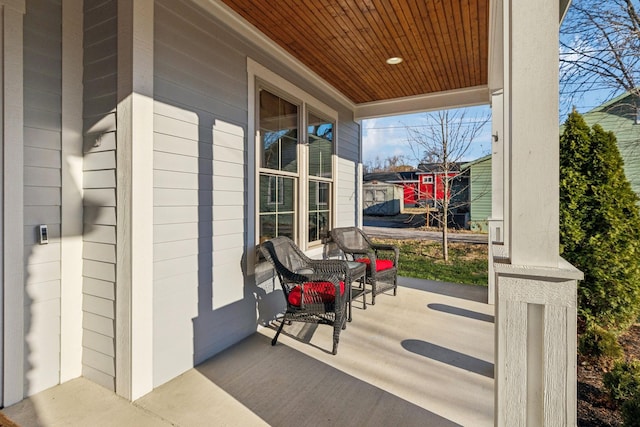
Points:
[431,185]
[424,185]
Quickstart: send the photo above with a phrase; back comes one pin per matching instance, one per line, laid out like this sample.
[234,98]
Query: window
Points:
[427,179]
[320,153]
[288,166]
[278,127]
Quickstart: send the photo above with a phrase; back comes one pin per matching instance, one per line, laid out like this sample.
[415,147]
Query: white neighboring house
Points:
[160,141]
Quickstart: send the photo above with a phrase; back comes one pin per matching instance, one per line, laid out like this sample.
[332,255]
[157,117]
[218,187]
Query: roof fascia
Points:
[467,97]
[564,7]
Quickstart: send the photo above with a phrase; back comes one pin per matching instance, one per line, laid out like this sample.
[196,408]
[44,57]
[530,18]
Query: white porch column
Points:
[134,277]
[12,222]
[531,110]
[497,248]
[535,367]
[72,192]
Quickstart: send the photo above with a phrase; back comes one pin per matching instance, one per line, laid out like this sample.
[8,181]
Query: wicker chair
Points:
[314,290]
[381,260]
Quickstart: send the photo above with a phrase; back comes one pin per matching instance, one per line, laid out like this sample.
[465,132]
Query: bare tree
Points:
[445,140]
[600,49]
[396,163]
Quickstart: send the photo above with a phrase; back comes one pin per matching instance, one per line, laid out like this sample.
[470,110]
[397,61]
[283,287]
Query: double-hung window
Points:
[278,128]
[320,172]
[295,178]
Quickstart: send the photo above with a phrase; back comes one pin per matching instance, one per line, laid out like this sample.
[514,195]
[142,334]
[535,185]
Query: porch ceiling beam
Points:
[466,97]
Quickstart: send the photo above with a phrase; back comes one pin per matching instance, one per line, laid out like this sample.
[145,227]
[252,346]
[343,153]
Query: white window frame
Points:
[427,179]
[261,77]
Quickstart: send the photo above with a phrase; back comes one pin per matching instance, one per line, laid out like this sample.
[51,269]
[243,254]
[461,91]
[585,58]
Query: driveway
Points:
[406,226]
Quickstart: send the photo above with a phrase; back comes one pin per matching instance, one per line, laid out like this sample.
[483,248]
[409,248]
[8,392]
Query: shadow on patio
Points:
[424,357]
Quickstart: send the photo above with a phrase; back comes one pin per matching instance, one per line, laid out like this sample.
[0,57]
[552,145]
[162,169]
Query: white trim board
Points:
[72,209]
[467,97]
[281,86]
[134,248]
[12,110]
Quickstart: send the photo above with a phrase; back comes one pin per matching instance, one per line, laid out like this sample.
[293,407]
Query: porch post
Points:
[134,211]
[535,367]
[71,210]
[12,221]
[497,248]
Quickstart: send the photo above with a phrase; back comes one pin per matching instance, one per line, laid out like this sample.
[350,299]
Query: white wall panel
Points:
[42,191]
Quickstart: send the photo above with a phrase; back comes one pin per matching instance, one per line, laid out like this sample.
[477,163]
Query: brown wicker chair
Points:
[315,291]
[381,260]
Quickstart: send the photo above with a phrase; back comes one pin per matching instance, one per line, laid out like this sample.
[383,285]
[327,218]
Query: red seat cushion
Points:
[326,291]
[381,264]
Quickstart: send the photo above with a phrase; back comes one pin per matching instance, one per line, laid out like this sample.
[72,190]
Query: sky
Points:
[387,136]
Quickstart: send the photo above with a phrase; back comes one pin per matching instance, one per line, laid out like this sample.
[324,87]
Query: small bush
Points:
[631,412]
[623,383]
[599,343]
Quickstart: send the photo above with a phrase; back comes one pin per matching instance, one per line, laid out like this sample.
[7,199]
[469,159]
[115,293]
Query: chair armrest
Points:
[323,271]
[382,247]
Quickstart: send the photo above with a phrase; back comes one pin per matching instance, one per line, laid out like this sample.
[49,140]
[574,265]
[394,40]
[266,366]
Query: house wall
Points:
[42,192]
[619,118]
[480,183]
[204,296]
[99,174]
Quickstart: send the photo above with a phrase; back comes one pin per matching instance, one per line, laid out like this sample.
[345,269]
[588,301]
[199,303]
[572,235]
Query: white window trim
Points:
[427,179]
[282,87]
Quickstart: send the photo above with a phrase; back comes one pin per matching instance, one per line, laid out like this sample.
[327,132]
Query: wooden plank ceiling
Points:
[444,43]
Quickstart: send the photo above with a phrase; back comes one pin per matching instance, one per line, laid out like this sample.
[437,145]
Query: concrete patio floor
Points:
[422,358]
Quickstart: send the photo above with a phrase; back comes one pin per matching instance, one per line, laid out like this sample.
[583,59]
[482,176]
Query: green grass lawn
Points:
[423,260]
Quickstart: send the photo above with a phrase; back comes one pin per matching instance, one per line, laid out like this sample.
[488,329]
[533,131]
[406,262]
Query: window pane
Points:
[277,213]
[288,193]
[278,133]
[286,225]
[320,134]
[313,199]
[323,224]
[319,210]
[323,195]
[267,227]
[318,225]
[276,193]
[313,226]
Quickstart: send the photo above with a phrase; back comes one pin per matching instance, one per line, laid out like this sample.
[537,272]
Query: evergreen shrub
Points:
[599,225]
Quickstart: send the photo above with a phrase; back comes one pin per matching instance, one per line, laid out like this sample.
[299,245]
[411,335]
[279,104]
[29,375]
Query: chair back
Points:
[351,239]
[285,257]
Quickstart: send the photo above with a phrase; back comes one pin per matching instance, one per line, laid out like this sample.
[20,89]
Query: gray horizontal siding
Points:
[348,139]
[99,181]
[201,176]
[42,191]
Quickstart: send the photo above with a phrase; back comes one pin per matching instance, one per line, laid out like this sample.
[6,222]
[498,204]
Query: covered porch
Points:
[424,357]
[136,302]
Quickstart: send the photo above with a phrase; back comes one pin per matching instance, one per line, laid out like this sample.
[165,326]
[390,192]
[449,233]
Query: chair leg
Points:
[337,327]
[349,299]
[275,339]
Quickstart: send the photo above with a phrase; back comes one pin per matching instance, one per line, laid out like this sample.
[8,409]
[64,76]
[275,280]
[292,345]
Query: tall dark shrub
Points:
[599,225]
